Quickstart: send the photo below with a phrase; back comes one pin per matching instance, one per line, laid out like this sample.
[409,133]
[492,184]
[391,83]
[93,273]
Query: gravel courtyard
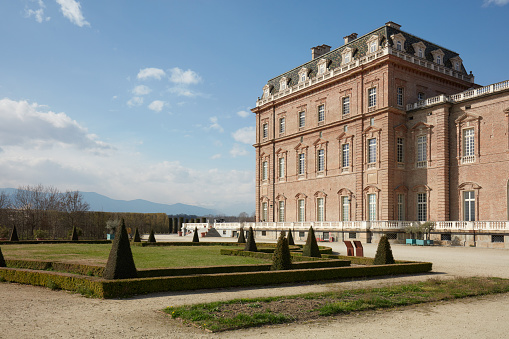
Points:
[35,312]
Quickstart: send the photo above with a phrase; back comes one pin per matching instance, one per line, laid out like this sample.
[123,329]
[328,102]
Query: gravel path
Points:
[35,312]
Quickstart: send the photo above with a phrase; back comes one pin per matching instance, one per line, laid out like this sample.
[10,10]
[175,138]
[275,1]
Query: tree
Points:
[311,247]
[290,238]
[112,225]
[242,239]
[282,259]
[136,236]
[120,263]
[383,254]
[250,244]
[74,205]
[152,237]
[195,236]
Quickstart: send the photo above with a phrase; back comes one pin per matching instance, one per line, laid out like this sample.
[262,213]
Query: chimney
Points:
[319,50]
[350,37]
[393,25]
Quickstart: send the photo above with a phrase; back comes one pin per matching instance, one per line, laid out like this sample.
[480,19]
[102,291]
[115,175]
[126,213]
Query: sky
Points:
[151,99]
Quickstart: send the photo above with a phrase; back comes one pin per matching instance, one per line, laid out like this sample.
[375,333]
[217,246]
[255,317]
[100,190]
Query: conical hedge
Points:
[242,239]
[195,236]
[14,234]
[136,235]
[311,247]
[290,238]
[2,260]
[74,236]
[282,259]
[120,263]
[152,237]
[383,254]
[250,244]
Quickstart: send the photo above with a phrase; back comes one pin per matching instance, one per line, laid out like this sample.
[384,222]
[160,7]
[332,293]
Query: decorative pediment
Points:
[419,46]
[371,189]
[468,186]
[344,135]
[322,65]
[320,141]
[373,39]
[401,128]
[372,129]
[283,83]
[421,188]
[347,55]
[421,125]
[345,191]
[320,194]
[280,151]
[300,146]
[438,56]
[467,117]
[401,188]
[303,74]
[264,198]
[300,196]
[398,38]
[280,197]
[506,111]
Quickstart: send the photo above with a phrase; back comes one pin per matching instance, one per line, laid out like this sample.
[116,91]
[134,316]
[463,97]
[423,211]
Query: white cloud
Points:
[215,124]
[141,90]
[157,105]
[243,114]
[135,101]
[71,9]
[216,156]
[38,14]
[495,2]
[148,73]
[183,92]
[237,151]
[246,135]
[188,77]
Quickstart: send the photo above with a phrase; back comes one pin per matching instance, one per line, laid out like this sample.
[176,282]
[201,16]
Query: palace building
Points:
[387,127]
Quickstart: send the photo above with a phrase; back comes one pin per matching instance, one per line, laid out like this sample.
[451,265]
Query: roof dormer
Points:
[456,63]
[322,66]
[438,56]
[420,49]
[347,55]
[398,41]
[283,83]
[266,90]
[303,74]
[373,43]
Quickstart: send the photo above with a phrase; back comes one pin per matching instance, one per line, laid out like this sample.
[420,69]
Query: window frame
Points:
[321,113]
[282,125]
[320,160]
[301,210]
[372,206]
[422,206]
[400,96]
[265,170]
[265,130]
[372,150]
[281,167]
[345,106]
[281,211]
[422,151]
[372,97]
[301,164]
[400,150]
[302,119]
[320,209]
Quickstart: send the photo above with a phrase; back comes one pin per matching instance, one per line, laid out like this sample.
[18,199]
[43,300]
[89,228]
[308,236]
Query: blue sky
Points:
[151,99]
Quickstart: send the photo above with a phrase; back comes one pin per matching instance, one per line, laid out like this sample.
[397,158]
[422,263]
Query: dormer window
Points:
[322,66]
[438,56]
[399,42]
[283,83]
[372,47]
[420,49]
[398,45]
[456,63]
[303,74]
[346,55]
[266,91]
[439,59]
[373,43]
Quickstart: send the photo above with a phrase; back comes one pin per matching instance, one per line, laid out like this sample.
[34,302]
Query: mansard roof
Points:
[360,48]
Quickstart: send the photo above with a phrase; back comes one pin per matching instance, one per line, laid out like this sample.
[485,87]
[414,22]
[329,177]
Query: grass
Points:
[243,313]
[144,257]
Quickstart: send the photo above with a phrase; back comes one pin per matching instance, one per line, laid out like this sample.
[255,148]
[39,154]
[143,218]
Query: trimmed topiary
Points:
[195,236]
[242,239]
[14,234]
[250,244]
[290,238]
[311,247]
[2,260]
[282,260]
[74,236]
[137,237]
[383,254]
[152,237]
[120,263]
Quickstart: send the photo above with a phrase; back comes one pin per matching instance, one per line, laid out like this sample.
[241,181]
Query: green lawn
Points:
[144,257]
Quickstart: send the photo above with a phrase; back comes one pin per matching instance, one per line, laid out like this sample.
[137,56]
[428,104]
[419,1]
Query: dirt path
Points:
[34,312]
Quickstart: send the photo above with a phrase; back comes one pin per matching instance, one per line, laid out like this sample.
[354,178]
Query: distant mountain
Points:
[102,203]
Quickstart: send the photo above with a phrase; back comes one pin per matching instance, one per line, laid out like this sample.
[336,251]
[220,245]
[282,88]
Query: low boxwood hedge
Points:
[56,266]
[21,242]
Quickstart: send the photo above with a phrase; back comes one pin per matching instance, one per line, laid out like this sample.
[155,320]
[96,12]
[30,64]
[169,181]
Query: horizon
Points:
[152,101]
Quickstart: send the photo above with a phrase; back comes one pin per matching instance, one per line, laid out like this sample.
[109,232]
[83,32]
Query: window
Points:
[445,237]
[265,130]
[281,211]
[321,69]
[439,59]
[398,46]
[346,106]
[282,86]
[345,208]
[302,234]
[371,207]
[422,145]
[399,96]
[457,66]
[422,207]
[302,210]
[303,77]
[321,113]
[281,168]
[372,46]
[346,155]
[321,160]
[320,209]
[265,170]
[401,207]
[469,205]
[282,125]
[420,53]
[264,233]
[302,164]
[347,58]
[421,96]
[266,92]
[468,145]
[372,97]
[264,211]
[372,151]
[399,150]
[497,238]
[302,119]
[352,235]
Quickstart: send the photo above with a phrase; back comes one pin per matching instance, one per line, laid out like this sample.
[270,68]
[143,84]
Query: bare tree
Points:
[74,205]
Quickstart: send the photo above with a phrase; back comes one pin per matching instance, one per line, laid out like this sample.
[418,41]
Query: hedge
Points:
[296,256]
[21,242]
[56,266]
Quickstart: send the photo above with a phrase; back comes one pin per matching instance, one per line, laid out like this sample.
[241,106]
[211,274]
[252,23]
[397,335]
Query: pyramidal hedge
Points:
[383,254]
[242,239]
[290,238]
[2,260]
[311,248]
[136,235]
[14,234]
[120,263]
[195,235]
[152,237]
[250,244]
[282,259]
[74,236]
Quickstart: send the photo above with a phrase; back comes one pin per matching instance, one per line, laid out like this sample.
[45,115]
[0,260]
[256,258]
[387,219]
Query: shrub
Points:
[242,239]
[282,260]
[14,234]
[383,254]
[311,248]
[2,260]
[136,235]
[250,244]
[120,263]
[152,237]
[195,236]
[290,238]
[41,234]
[74,236]
[4,232]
